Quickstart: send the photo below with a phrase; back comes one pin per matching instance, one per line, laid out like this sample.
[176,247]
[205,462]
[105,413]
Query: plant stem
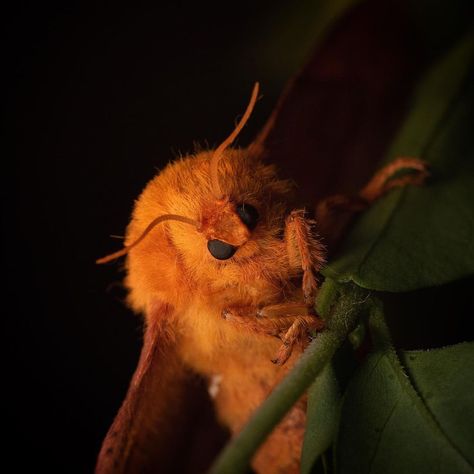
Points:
[346,303]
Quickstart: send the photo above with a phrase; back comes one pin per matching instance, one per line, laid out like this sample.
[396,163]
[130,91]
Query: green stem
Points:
[350,301]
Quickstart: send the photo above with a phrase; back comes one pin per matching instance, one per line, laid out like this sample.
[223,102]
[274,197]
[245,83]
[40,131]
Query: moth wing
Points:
[151,423]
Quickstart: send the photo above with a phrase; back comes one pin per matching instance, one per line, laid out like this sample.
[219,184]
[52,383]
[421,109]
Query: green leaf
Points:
[418,237]
[322,417]
[416,421]
[437,375]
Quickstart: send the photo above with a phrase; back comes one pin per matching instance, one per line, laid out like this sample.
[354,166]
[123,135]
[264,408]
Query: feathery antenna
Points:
[218,153]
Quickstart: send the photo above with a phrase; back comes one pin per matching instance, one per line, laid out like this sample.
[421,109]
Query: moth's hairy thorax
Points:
[207,337]
[240,361]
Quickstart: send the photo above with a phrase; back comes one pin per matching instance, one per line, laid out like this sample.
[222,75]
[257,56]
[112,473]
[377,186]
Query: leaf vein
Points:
[392,411]
[408,387]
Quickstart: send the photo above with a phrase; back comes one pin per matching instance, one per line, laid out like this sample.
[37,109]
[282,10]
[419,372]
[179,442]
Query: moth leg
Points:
[299,332]
[287,309]
[384,179]
[305,324]
[304,251]
[291,322]
[334,213]
[248,319]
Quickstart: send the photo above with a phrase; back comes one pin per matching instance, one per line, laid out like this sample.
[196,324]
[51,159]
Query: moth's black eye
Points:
[220,250]
[248,214]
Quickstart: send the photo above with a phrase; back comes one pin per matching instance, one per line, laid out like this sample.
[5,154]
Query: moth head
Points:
[225,221]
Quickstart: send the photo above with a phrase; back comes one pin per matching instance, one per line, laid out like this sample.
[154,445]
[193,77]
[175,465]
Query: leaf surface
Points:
[423,236]
[417,420]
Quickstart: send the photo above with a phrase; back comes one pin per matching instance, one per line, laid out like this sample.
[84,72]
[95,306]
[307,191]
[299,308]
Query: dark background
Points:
[97,98]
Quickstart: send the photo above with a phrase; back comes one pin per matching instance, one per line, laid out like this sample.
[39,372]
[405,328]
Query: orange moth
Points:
[225,273]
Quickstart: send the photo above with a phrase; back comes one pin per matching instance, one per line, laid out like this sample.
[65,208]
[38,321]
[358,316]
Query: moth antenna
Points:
[216,157]
[151,225]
